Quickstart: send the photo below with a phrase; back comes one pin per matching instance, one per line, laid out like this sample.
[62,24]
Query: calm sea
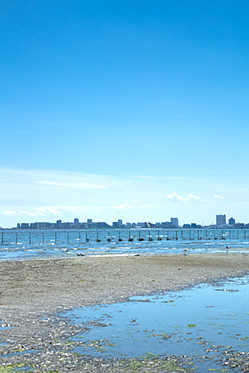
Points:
[26,244]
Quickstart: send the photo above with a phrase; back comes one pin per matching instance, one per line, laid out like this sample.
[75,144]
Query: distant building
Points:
[167,224]
[128,225]
[45,225]
[174,222]
[24,225]
[90,223]
[34,225]
[118,224]
[83,225]
[102,224]
[76,223]
[140,225]
[66,225]
[231,221]
[148,224]
[41,225]
[58,224]
[220,220]
[239,225]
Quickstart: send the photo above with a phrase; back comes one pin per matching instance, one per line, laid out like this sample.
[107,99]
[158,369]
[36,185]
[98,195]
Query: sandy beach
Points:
[49,285]
[34,288]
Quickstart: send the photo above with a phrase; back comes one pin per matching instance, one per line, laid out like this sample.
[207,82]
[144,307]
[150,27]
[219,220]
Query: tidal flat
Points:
[38,335]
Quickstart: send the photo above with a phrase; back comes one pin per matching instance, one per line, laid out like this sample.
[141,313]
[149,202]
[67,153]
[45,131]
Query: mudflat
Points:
[33,291]
[49,285]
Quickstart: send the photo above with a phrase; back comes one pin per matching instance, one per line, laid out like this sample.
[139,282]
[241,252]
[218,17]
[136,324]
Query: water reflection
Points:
[203,321]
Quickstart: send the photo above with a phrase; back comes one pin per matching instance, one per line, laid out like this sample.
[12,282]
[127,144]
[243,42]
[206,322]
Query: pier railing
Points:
[117,236]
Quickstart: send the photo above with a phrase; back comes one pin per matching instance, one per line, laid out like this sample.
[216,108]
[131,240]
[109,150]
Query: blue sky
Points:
[136,110]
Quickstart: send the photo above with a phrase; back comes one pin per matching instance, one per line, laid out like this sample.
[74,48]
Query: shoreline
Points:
[33,292]
[47,285]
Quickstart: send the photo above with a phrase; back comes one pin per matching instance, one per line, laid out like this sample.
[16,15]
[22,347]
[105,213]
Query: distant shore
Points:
[49,285]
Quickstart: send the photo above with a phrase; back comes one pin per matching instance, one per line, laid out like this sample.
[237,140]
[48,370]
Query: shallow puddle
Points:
[207,323]
[20,353]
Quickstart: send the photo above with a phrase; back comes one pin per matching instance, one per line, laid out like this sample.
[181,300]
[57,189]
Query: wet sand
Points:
[32,291]
[49,285]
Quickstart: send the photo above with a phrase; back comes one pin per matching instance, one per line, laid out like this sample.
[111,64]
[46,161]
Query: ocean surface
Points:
[208,323]
[27,244]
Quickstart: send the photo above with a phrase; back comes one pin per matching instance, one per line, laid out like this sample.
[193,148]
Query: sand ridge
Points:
[33,291]
[49,285]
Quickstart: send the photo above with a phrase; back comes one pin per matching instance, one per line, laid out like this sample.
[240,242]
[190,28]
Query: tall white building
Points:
[220,220]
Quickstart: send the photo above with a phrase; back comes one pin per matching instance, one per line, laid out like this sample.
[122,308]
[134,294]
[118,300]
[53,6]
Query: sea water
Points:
[26,244]
[203,323]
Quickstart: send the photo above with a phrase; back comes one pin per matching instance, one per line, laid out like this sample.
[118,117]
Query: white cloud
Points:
[46,194]
[37,211]
[149,206]
[70,185]
[28,213]
[191,197]
[218,196]
[166,178]
[242,203]
[174,197]
[141,206]
[79,209]
[10,212]
[22,213]
[122,207]
[47,210]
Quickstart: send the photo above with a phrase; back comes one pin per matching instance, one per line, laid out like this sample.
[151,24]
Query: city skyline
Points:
[89,223]
[133,109]
[83,195]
